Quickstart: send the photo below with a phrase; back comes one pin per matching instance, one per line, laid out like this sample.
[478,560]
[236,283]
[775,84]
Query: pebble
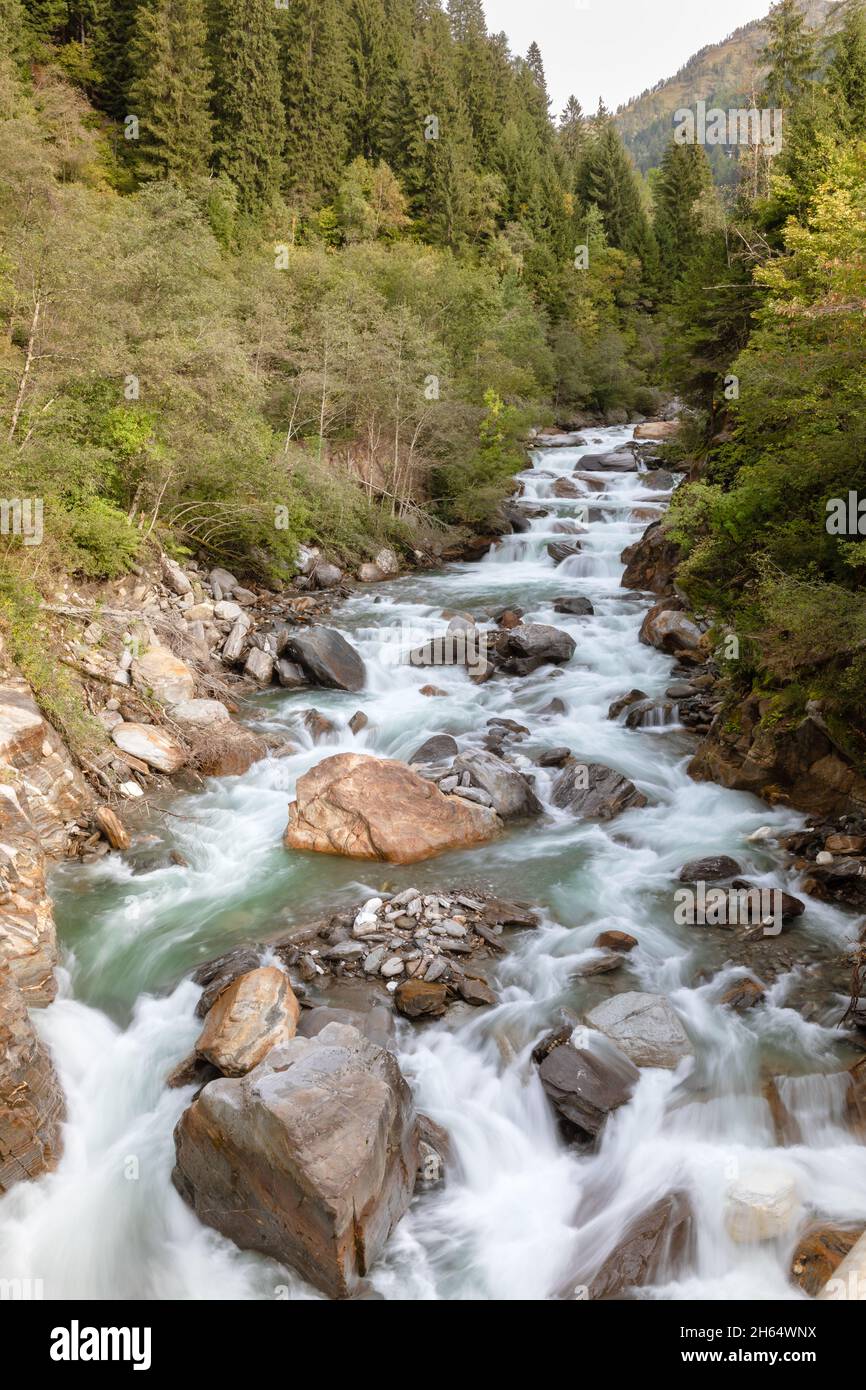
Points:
[448,928]
[393,966]
[435,970]
[824,857]
[474,794]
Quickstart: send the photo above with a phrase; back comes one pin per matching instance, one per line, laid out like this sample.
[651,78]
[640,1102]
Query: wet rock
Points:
[215,975]
[433,691]
[789,906]
[842,881]
[576,606]
[624,702]
[560,551]
[473,990]
[358,721]
[418,999]
[615,941]
[650,714]
[253,1014]
[151,745]
[584,1085]
[564,487]
[762,1203]
[439,748]
[524,649]
[601,963]
[162,676]
[510,792]
[657,480]
[31,1101]
[554,757]
[311,1158]
[819,1254]
[327,659]
[595,792]
[645,1027]
[372,808]
[855,1099]
[610,461]
[290,675]
[743,994]
[375,1023]
[508,617]
[670,631]
[655,1246]
[652,563]
[709,870]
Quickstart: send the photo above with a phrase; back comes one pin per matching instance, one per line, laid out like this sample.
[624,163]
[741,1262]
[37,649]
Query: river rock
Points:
[524,649]
[560,551]
[595,792]
[670,631]
[575,606]
[654,1247]
[651,564]
[326,576]
[151,744]
[290,675]
[201,714]
[254,1013]
[327,659]
[624,702]
[259,666]
[222,582]
[163,676]
[510,792]
[373,808]
[584,1085]
[819,1254]
[31,1102]
[645,1027]
[709,870]
[420,999]
[440,748]
[615,941]
[762,1203]
[311,1158]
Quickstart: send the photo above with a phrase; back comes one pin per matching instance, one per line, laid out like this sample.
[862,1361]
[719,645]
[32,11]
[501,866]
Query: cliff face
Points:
[40,794]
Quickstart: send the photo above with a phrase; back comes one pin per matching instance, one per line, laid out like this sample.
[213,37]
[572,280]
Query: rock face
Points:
[595,791]
[670,631]
[311,1158]
[651,564]
[162,675]
[370,808]
[644,1027]
[327,659]
[151,744]
[584,1085]
[31,1103]
[521,650]
[510,792]
[256,1012]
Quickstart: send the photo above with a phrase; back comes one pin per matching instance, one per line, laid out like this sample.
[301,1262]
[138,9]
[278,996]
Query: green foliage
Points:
[170,89]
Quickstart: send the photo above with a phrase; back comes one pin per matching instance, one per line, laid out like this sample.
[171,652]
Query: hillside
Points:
[723,74]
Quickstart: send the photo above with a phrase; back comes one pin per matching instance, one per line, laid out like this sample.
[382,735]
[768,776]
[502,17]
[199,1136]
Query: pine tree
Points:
[249,125]
[113,47]
[847,75]
[608,180]
[170,90]
[789,53]
[315,83]
[572,130]
[476,62]
[685,177]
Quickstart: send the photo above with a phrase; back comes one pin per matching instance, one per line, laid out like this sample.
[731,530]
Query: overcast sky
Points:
[615,48]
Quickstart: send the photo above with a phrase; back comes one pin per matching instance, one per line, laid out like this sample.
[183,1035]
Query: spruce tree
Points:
[685,177]
[113,47]
[789,53]
[249,127]
[847,73]
[170,90]
[608,180]
[315,84]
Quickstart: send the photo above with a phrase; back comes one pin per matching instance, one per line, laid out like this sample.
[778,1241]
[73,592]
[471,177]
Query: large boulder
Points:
[510,792]
[584,1084]
[655,1246]
[31,1102]
[163,676]
[671,631]
[657,429]
[311,1158]
[151,744]
[645,1027]
[710,870]
[651,564]
[256,1012]
[201,714]
[327,659]
[438,748]
[611,461]
[373,808]
[595,791]
[521,650]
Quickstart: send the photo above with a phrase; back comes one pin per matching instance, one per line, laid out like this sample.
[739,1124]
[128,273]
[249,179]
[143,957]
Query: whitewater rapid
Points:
[521,1214]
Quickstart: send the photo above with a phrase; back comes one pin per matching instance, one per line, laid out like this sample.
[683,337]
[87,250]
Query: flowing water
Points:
[522,1216]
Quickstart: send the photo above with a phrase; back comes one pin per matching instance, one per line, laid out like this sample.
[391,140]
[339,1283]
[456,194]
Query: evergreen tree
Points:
[685,177]
[608,180]
[315,83]
[789,53]
[249,127]
[847,73]
[572,131]
[476,62]
[170,91]
[113,46]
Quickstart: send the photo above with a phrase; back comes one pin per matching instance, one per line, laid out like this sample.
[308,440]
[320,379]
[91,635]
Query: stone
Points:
[625,702]
[216,974]
[510,792]
[585,1085]
[327,659]
[743,994]
[202,714]
[252,1015]
[657,429]
[163,676]
[199,613]
[508,618]
[651,714]
[524,649]
[655,1246]
[290,675]
[174,576]
[326,576]
[845,844]
[31,1101]
[657,480]
[554,757]
[709,870]
[762,1203]
[670,631]
[473,990]
[498,913]
[652,563]
[223,580]
[438,749]
[151,744]
[819,1254]
[259,666]
[645,1027]
[595,792]
[577,607]
[564,487]
[615,941]
[358,721]
[318,725]
[432,691]
[235,644]
[420,999]
[372,808]
[388,561]
[560,551]
[310,1159]
[370,574]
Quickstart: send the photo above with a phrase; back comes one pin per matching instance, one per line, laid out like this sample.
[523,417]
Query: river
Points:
[520,1212]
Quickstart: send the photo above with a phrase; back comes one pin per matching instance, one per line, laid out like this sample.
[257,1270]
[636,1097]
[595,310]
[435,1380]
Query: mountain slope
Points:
[723,74]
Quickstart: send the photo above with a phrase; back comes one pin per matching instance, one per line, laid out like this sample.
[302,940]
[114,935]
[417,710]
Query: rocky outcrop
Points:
[311,1158]
[31,1102]
[651,563]
[644,1027]
[372,808]
[595,791]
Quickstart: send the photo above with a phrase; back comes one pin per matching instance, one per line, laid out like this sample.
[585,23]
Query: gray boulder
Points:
[645,1027]
[327,659]
[510,792]
[595,791]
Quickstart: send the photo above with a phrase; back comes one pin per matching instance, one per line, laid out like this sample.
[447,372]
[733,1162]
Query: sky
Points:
[615,48]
